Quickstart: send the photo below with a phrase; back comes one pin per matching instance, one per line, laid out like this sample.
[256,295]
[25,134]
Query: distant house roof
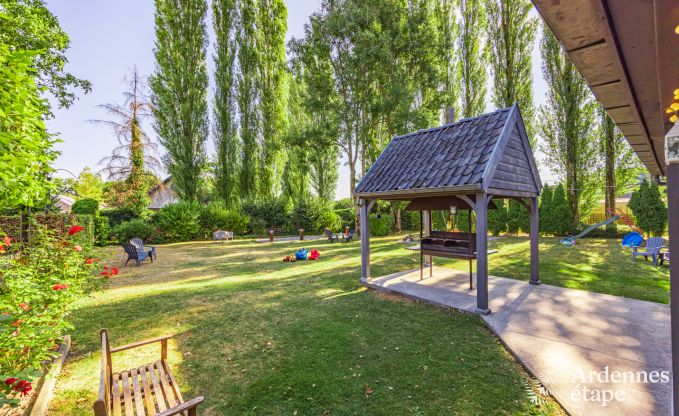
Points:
[163,194]
[64,203]
[489,152]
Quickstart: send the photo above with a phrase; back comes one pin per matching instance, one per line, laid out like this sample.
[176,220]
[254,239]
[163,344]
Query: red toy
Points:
[314,254]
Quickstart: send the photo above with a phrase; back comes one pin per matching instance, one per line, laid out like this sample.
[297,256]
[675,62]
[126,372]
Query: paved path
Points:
[564,335]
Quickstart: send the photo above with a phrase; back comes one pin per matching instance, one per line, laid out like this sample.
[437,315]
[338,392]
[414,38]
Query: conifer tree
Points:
[179,88]
[473,57]
[649,209]
[546,210]
[497,218]
[561,218]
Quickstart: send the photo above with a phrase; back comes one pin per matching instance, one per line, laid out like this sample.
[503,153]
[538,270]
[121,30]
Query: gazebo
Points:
[462,164]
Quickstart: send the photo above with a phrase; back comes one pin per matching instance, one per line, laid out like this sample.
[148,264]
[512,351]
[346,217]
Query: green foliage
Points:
[546,210]
[85,206]
[29,25]
[179,222]
[268,212]
[382,226]
[497,218]
[561,215]
[473,59]
[570,145]
[88,185]
[37,290]
[135,228]
[518,217]
[410,220]
[649,209]
[26,149]
[315,214]
[117,216]
[224,17]
[180,91]
[216,216]
[102,230]
[510,33]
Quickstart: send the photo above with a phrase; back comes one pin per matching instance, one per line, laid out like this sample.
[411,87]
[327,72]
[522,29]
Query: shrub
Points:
[85,206]
[215,216]
[314,215]
[518,217]
[650,212]
[347,216]
[561,217]
[117,216]
[102,230]
[179,222]
[497,218]
[132,229]
[271,212]
[382,226]
[410,220]
[546,210]
[39,287]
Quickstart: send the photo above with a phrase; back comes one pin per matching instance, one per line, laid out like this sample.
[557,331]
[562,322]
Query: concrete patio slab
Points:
[596,354]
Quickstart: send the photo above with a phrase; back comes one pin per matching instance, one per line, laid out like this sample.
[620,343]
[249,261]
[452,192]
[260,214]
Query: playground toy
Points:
[633,239]
[570,241]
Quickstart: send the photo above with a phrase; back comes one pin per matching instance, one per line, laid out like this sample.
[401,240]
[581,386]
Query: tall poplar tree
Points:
[472,62]
[510,35]
[272,23]
[225,21]
[248,96]
[567,118]
[449,32]
[179,88]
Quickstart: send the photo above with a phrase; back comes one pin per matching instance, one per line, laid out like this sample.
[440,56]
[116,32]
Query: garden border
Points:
[49,380]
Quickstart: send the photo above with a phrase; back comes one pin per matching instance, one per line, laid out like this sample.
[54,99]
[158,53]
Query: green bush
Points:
[117,216]
[102,230]
[347,216]
[314,215]
[215,216]
[561,216]
[410,220]
[518,217]
[546,209]
[382,226]
[269,212]
[648,207]
[85,206]
[179,222]
[134,229]
[497,218]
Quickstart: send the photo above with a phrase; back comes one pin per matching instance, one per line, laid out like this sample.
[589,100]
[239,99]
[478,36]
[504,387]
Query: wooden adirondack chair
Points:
[652,249]
[149,390]
[139,244]
[134,254]
[331,237]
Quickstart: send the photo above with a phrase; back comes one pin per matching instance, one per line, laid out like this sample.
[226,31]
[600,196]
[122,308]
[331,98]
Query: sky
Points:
[108,38]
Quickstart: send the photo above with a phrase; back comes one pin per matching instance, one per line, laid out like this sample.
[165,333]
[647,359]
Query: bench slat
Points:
[175,387]
[156,388]
[129,408]
[148,393]
[165,382]
[115,396]
[138,400]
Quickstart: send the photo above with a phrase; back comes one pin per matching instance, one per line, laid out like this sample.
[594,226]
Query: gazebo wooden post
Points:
[427,233]
[365,239]
[482,253]
[534,236]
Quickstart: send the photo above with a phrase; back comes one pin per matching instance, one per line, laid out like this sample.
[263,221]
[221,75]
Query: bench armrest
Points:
[164,338]
[191,404]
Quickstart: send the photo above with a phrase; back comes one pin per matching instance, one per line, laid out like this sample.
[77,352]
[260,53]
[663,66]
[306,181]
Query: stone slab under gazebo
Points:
[464,164]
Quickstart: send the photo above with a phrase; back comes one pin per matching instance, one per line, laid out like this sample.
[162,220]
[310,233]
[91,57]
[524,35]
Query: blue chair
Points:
[139,244]
[652,249]
[136,255]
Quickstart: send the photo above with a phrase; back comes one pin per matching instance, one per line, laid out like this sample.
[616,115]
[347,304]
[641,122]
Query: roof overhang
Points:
[408,194]
[627,51]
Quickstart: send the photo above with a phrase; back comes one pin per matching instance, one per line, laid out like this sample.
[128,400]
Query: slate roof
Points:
[452,155]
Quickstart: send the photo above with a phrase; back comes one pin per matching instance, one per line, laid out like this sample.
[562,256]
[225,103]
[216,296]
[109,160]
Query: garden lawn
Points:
[257,336]
[592,264]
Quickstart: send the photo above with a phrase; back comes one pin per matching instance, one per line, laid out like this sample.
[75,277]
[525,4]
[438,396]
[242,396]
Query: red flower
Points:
[104,273]
[10,381]
[114,271]
[65,243]
[89,260]
[23,387]
[75,230]
[60,286]
[77,248]
[24,306]
[105,267]
[7,241]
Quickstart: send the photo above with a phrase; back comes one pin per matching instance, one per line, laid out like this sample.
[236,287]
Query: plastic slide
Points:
[569,241]
[633,239]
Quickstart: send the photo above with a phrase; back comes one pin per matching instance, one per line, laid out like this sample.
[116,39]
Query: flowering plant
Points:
[37,289]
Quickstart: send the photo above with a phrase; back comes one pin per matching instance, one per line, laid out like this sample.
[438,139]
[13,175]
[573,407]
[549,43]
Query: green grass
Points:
[592,264]
[257,336]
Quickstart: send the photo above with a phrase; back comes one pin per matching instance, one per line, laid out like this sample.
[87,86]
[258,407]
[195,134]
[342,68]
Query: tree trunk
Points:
[609,194]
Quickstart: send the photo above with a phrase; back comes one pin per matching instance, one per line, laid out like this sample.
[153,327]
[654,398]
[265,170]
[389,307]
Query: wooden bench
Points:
[144,391]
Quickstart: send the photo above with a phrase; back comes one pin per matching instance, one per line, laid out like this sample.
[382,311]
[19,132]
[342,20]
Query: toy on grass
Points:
[302,254]
[568,241]
[314,254]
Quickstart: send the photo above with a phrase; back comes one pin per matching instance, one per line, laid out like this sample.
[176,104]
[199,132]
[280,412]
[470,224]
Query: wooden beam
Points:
[673,232]
[482,254]
[426,215]
[365,240]
[534,240]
